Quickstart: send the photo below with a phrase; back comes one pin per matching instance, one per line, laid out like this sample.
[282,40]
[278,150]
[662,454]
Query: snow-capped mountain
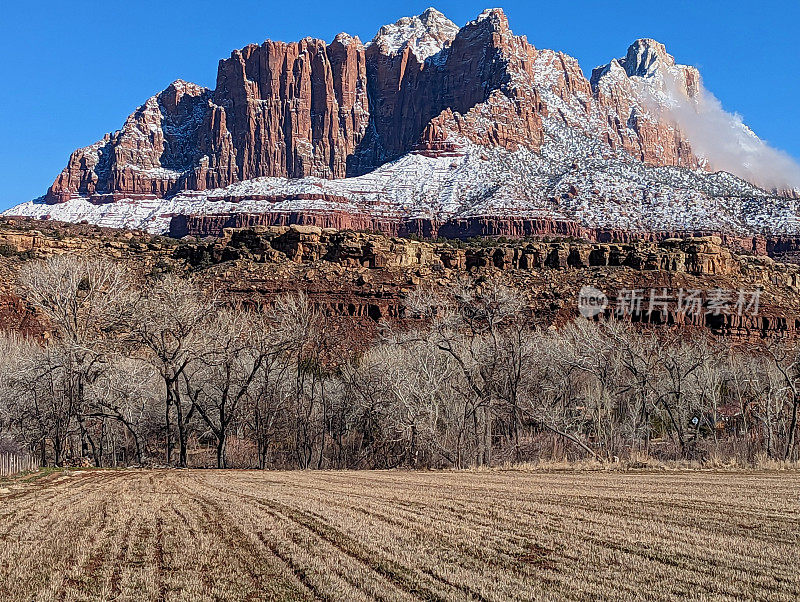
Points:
[425,35]
[431,122]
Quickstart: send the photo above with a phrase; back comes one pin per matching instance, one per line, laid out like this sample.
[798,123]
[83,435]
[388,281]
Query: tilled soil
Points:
[483,535]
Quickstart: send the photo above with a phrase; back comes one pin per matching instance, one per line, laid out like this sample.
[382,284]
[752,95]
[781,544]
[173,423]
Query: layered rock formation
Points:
[431,130]
[366,277]
[149,156]
[201,226]
[341,109]
[701,256]
[630,86]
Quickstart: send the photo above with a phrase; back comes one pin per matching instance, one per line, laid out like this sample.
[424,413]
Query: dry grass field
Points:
[499,535]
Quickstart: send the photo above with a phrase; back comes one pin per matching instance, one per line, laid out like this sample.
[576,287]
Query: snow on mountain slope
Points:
[667,92]
[573,177]
[443,123]
[426,34]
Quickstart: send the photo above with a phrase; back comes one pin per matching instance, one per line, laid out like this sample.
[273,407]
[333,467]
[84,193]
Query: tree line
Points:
[159,372]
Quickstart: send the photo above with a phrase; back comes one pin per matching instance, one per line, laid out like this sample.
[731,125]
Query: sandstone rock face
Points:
[150,156]
[294,109]
[461,90]
[630,86]
[19,242]
[365,277]
[700,256]
[215,225]
[341,109]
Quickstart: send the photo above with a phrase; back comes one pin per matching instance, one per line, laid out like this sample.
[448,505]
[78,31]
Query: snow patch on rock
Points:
[675,93]
[426,35]
[573,177]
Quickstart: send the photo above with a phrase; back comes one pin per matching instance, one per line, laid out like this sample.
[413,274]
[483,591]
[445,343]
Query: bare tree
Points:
[126,395]
[554,390]
[88,303]
[467,323]
[226,371]
[677,388]
[171,319]
[786,359]
[471,382]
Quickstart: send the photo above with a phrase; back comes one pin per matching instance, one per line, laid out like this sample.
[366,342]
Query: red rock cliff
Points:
[342,109]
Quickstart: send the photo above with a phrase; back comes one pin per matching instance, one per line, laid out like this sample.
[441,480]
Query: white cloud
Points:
[725,141]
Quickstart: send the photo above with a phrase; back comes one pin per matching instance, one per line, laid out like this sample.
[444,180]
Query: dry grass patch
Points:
[488,535]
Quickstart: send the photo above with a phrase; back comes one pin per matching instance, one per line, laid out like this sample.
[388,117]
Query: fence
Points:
[14,463]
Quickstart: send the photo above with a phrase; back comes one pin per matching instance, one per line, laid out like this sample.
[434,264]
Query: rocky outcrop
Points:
[784,248]
[696,255]
[151,156]
[294,109]
[366,276]
[465,90]
[341,109]
[214,225]
[19,242]
[629,87]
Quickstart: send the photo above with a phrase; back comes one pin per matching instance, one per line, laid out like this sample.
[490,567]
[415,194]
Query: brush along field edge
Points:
[483,535]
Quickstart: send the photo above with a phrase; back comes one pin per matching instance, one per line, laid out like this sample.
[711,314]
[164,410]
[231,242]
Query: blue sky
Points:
[73,71]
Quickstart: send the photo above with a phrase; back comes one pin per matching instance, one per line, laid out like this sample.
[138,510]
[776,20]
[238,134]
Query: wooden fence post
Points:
[11,464]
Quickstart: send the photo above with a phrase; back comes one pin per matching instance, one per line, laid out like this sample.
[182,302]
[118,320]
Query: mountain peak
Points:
[371,131]
[345,39]
[183,87]
[491,13]
[426,34]
[432,15]
[648,63]
[495,18]
[645,56]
